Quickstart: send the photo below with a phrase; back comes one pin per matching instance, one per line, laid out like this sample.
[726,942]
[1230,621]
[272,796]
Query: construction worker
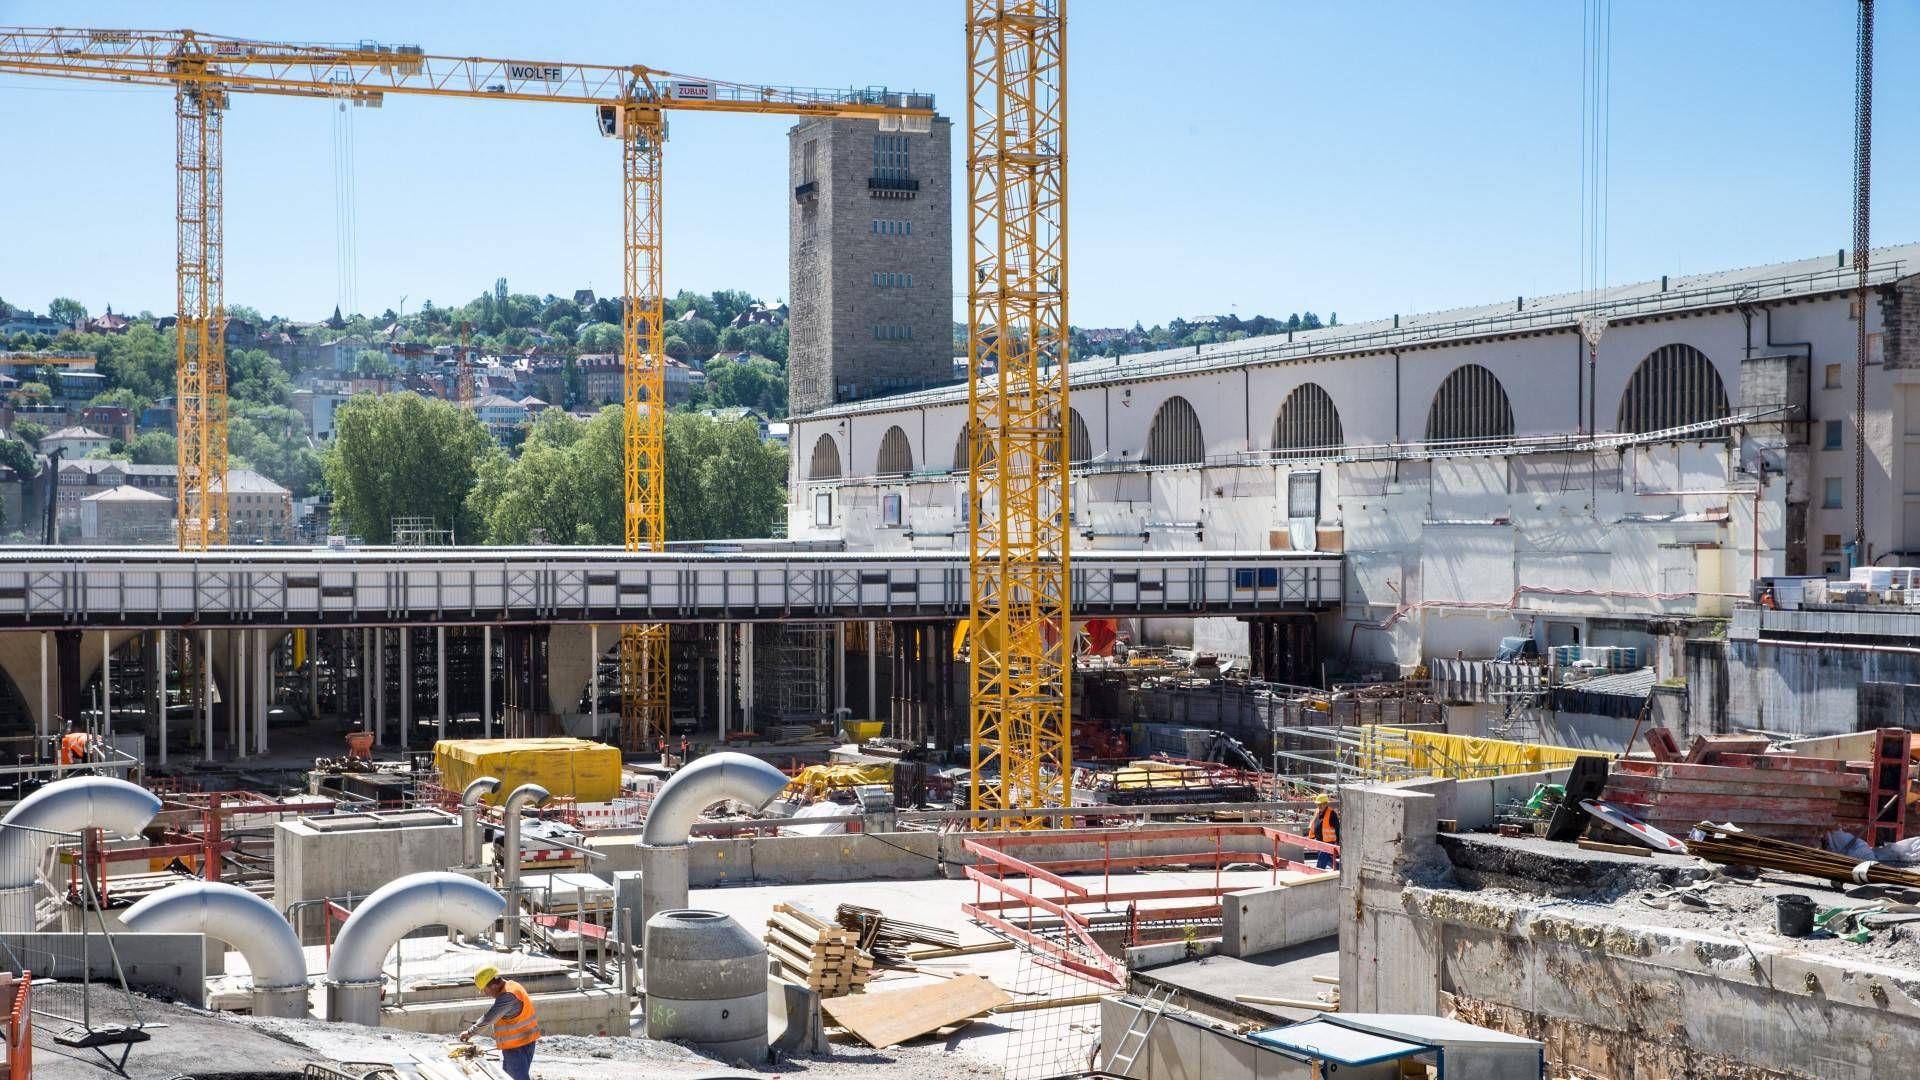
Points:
[515,1026]
[1324,828]
[75,745]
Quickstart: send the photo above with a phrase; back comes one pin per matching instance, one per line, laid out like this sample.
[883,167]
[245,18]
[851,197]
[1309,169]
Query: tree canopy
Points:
[403,455]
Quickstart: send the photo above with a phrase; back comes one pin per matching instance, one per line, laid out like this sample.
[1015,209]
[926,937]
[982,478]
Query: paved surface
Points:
[192,1043]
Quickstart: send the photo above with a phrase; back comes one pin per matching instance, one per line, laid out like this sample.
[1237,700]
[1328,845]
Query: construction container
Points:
[568,768]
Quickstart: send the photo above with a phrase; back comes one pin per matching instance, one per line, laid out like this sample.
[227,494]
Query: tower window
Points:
[890,157]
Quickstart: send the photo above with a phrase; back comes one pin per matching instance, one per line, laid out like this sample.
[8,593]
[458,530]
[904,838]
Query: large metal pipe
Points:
[510,867]
[232,915]
[395,910]
[664,853]
[712,779]
[65,806]
[470,818]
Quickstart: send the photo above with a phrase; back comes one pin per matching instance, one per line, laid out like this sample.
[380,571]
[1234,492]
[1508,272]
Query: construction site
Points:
[1535,743]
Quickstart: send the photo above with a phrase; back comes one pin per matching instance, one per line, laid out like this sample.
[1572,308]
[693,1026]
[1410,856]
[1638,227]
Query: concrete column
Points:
[313,674]
[206,696]
[486,681]
[106,685]
[873,669]
[839,666]
[46,718]
[593,679]
[726,679]
[365,663]
[379,686]
[440,678]
[746,676]
[160,688]
[265,707]
[239,677]
[66,662]
[406,686]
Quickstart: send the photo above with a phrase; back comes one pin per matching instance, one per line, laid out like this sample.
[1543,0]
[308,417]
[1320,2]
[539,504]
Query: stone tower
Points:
[870,261]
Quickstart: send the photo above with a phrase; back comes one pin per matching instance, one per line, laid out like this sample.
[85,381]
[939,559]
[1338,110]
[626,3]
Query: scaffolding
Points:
[795,663]
[420,532]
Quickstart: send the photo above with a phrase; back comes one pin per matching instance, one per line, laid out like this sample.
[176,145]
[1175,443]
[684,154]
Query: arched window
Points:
[1471,404]
[826,460]
[1674,386]
[896,454]
[1307,420]
[963,461]
[1079,443]
[1175,438]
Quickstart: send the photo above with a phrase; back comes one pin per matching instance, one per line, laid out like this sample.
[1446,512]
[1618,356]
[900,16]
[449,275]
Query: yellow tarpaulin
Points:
[815,781]
[1462,756]
[587,771]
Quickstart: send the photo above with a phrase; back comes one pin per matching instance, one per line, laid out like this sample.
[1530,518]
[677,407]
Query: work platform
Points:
[113,588]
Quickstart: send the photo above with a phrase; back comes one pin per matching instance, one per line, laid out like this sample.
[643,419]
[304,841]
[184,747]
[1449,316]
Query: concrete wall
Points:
[1800,691]
[1260,920]
[1187,1047]
[1610,996]
[164,965]
[1475,802]
[874,856]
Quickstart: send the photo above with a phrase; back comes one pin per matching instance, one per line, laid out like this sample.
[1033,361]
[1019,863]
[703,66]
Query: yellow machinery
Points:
[1017,513]
[631,102]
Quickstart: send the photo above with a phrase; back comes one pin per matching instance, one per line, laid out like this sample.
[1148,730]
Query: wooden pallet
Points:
[816,953]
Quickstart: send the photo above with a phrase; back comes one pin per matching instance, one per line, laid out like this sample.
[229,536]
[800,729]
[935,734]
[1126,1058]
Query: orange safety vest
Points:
[73,747]
[521,1030]
[1323,828]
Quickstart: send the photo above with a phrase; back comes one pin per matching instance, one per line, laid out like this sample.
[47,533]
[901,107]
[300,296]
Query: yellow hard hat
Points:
[485,975]
[1322,799]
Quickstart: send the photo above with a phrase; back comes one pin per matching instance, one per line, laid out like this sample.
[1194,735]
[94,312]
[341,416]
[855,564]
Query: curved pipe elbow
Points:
[402,906]
[66,806]
[522,795]
[712,779]
[231,915]
[479,789]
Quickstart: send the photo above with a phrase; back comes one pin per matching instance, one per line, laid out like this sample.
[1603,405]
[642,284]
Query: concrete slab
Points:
[1210,984]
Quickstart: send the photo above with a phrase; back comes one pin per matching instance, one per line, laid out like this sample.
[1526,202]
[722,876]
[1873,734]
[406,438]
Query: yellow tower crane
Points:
[1018,519]
[203,70]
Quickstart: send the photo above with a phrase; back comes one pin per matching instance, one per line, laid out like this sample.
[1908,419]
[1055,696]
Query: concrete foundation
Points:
[164,965]
[1617,995]
[1279,916]
[316,861]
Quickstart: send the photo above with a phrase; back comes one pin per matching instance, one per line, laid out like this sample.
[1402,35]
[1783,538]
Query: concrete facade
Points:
[1448,550]
[310,863]
[870,263]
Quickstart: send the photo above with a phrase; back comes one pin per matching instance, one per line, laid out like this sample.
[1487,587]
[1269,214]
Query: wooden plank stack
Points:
[888,938]
[1782,796]
[816,953]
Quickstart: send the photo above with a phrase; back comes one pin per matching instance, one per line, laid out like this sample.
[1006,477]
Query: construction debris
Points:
[887,938]
[1723,844]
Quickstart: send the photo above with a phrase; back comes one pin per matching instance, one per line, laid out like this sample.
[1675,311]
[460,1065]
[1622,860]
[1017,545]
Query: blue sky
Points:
[1246,157]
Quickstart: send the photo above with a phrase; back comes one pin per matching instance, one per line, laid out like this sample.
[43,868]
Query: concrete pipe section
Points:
[713,779]
[241,920]
[707,985]
[510,872]
[470,817]
[395,910]
[65,806]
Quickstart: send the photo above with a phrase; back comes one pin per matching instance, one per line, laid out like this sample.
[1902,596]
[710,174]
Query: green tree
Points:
[35,391]
[67,310]
[565,485]
[17,456]
[252,375]
[153,448]
[372,364]
[723,480]
[694,338]
[30,432]
[599,337]
[124,398]
[758,383]
[399,455]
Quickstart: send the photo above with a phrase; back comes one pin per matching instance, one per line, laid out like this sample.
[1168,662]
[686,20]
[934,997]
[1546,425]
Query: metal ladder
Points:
[1134,1040]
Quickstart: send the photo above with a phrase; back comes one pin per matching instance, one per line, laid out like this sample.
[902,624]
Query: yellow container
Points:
[862,730]
[587,771]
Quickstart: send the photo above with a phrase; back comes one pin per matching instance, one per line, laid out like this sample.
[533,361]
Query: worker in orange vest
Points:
[75,746]
[516,1028]
[1325,828]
